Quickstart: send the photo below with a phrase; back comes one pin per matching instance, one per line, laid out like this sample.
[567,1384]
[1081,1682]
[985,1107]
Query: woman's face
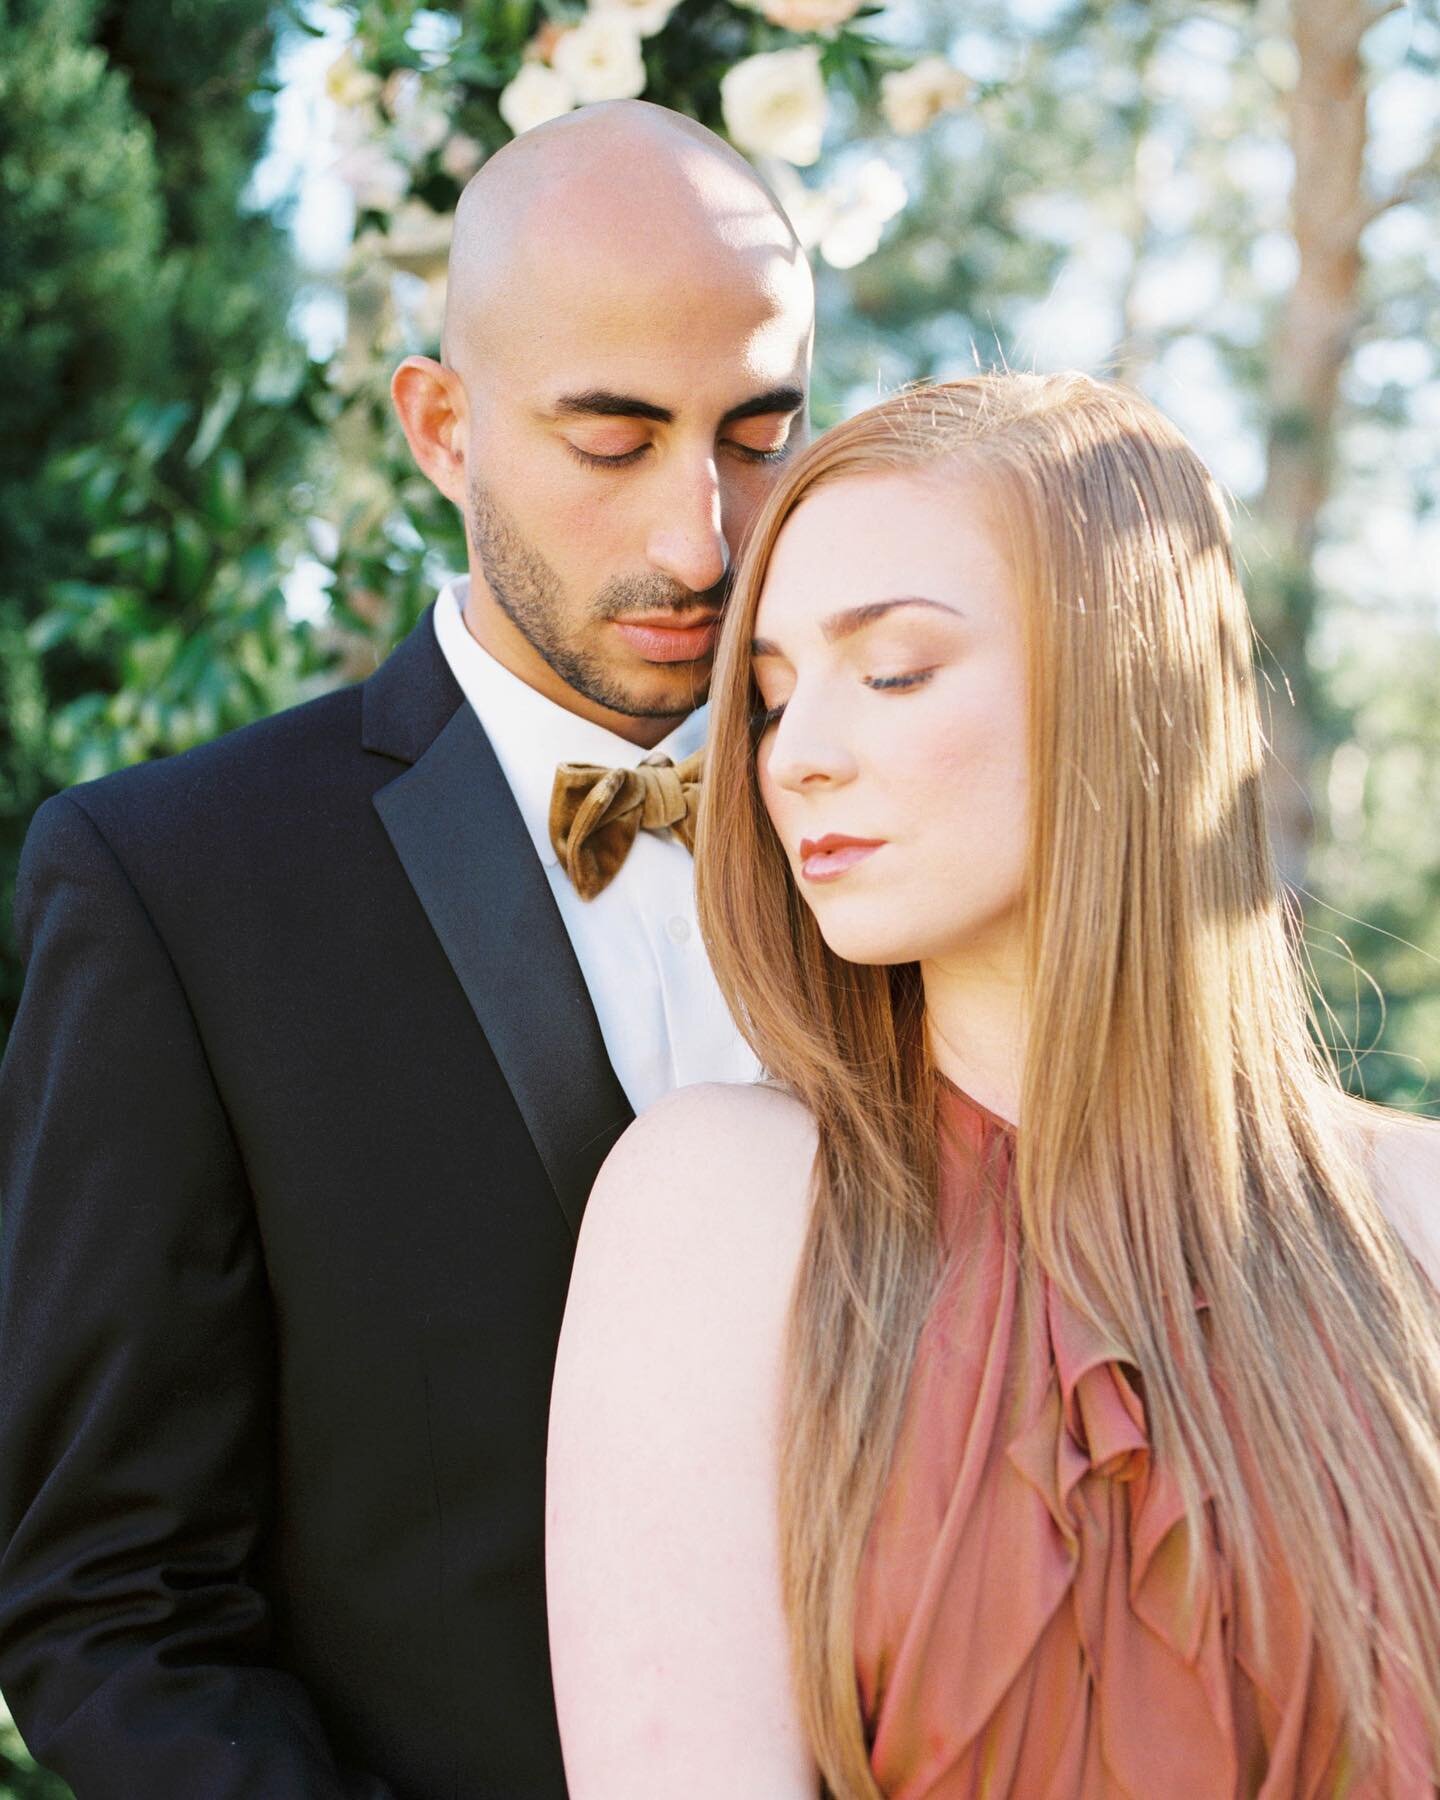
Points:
[889,657]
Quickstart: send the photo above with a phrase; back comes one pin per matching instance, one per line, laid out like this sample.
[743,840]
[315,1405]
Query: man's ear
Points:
[431,404]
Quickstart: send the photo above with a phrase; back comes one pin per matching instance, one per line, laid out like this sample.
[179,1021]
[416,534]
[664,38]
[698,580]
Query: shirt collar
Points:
[530,735]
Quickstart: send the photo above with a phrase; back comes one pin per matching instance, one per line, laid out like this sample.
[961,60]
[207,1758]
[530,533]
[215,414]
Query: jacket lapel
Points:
[457,831]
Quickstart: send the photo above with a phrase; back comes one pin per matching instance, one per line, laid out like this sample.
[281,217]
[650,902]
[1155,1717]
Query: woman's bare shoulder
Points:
[709,1158]
[1405,1166]
[752,1117]
[667,1630]
[697,1219]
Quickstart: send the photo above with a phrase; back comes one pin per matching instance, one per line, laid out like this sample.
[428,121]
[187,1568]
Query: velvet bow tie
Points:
[595,813]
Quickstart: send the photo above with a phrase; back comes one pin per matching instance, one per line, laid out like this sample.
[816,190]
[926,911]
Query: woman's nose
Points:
[807,748]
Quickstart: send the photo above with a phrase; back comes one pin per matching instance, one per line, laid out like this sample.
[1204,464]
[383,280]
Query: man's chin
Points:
[668,692]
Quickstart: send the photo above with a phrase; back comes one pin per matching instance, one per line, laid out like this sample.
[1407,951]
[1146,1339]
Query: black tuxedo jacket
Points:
[299,1113]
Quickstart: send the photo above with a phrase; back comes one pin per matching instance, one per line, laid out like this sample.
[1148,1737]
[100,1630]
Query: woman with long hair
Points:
[1033,1389]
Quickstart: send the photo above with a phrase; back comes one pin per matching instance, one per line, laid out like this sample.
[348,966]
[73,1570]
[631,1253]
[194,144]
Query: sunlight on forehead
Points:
[874,547]
[660,336]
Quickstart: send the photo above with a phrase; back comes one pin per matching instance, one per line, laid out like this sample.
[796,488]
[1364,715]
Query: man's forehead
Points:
[681,359]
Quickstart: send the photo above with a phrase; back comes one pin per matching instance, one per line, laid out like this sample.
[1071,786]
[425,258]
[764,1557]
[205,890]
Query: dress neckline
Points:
[971,1104]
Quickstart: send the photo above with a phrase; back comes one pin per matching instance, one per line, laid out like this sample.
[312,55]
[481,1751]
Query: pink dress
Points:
[1022,1628]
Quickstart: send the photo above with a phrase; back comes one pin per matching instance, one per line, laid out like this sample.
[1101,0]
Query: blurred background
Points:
[224,221]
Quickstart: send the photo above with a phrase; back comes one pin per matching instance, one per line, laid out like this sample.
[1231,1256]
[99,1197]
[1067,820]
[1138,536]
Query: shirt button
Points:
[679,929]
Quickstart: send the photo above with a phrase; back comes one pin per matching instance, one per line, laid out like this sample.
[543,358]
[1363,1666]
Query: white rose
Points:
[911,98]
[355,126]
[461,157]
[808,209]
[809,15]
[774,104]
[536,94]
[422,123]
[644,16]
[376,179]
[864,203]
[347,84]
[601,59]
[877,188]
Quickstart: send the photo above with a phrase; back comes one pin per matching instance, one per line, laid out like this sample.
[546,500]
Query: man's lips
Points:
[828,858]
[671,637]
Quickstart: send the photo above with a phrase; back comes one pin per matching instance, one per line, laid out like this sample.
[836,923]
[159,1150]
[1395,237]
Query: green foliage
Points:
[1373,916]
[178,630]
[81,220]
[20,1779]
[157,423]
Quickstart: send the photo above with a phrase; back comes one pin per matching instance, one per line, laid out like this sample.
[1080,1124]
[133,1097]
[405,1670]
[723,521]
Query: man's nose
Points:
[688,543]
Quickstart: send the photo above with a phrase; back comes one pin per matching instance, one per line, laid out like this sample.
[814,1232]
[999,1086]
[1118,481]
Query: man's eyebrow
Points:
[603,403]
[778,400]
[856,618]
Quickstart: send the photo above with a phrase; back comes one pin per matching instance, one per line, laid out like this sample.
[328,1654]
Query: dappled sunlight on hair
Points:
[1182,1132]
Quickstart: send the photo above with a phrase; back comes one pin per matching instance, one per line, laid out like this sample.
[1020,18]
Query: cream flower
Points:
[357,126]
[542,46]
[911,98]
[601,59]
[643,16]
[376,179]
[809,15]
[774,104]
[421,122]
[461,156]
[863,203]
[347,84]
[535,95]
[808,209]
[844,219]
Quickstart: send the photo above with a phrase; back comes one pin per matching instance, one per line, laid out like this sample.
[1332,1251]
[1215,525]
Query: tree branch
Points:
[1415,185]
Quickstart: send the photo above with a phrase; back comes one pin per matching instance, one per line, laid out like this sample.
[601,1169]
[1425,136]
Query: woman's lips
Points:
[665,641]
[828,858]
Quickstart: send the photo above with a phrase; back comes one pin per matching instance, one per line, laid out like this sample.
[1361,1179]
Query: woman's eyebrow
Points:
[857,618]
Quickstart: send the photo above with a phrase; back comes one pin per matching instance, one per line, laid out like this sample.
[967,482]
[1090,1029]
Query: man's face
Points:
[621,435]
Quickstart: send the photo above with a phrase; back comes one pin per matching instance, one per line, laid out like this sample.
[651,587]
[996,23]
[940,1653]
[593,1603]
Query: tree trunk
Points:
[1328,213]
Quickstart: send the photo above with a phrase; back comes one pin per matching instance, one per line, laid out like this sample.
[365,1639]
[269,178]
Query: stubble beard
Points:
[531,595]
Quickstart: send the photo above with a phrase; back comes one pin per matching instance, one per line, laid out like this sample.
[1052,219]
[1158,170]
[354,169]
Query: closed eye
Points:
[765,718]
[898,684]
[592,461]
[745,451]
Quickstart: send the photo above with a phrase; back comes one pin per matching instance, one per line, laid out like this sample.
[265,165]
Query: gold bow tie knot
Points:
[595,813]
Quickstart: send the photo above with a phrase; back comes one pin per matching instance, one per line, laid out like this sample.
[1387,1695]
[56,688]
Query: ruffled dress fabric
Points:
[1022,1624]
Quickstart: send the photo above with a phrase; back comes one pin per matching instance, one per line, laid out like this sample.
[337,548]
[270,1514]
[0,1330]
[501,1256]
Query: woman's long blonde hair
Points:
[1182,1133]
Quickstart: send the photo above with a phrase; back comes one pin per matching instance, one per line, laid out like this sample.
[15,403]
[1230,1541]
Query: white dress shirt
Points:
[637,943]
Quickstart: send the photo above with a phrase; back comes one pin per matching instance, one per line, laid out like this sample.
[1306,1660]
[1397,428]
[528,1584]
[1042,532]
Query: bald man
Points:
[325,1034]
